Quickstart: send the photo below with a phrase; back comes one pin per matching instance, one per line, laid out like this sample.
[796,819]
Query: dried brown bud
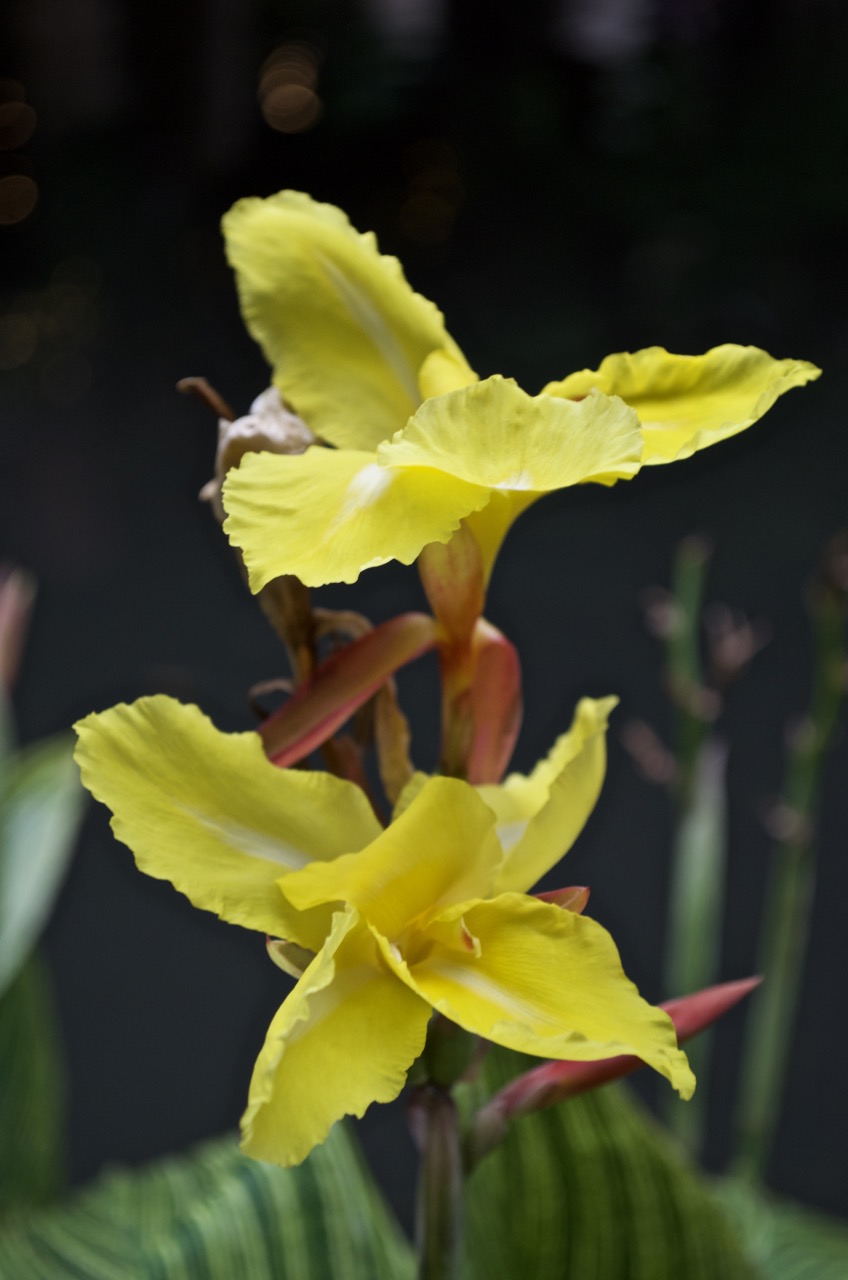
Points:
[732,641]
[663,616]
[652,758]
[269,428]
[787,825]
[694,699]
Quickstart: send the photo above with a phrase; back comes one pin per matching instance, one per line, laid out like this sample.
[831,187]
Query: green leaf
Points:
[32,1096]
[216,1215]
[41,810]
[591,1189]
[785,1240]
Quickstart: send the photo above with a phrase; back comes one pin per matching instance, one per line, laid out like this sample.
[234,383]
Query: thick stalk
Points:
[454,583]
[439,1208]
[456,664]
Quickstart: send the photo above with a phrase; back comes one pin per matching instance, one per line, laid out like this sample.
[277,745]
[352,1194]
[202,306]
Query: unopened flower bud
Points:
[288,956]
[17,592]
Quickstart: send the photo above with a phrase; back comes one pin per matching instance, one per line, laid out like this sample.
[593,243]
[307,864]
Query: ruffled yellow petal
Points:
[344,1038]
[686,403]
[492,433]
[327,515]
[415,784]
[345,334]
[547,982]
[208,812]
[441,850]
[444,371]
[539,816]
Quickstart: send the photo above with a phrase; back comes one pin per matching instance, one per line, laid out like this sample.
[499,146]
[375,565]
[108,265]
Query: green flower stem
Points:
[439,1211]
[696,894]
[788,900]
[695,914]
[683,655]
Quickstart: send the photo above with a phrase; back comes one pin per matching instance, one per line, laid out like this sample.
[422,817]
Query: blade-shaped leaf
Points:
[32,1092]
[591,1189]
[342,683]
[216,1215]
[785,1240]
[41,811]
[496,705]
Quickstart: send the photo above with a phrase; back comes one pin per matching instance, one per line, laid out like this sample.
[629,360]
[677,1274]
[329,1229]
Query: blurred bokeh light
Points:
[287,87]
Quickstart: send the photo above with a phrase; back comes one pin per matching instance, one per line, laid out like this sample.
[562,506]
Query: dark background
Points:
[564,180]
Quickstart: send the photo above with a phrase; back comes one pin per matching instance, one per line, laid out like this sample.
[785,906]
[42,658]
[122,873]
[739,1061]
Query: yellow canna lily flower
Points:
[481,454]
[420,445]
[430,913]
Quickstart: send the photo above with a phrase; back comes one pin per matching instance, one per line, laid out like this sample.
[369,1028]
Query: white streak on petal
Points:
[322,1002]
[367,316]
[366,488]
[507,1002]
[252,843]
[521,480]
[509,833]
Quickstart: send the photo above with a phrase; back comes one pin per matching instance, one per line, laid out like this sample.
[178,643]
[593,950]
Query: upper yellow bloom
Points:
[430,913]
[420,445]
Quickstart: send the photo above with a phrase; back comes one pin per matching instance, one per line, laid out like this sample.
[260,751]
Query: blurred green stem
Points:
[684,666]
[696,894]
[439,1209]
[789,897]
[695,920]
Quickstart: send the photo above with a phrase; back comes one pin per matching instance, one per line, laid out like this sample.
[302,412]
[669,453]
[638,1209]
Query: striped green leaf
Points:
[32,1092]
[42,803]
[785,1240]
[216,1215]
[591,1188]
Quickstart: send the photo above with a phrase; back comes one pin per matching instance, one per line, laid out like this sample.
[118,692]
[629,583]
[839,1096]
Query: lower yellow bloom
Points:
[429,913]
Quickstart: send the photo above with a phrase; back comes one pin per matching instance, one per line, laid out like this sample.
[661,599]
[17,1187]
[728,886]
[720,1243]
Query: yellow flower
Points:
[355,352]
[430,913]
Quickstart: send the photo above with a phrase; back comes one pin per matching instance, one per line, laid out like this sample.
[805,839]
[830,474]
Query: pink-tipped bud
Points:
[17,592]
[574,898]
[556,1081]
